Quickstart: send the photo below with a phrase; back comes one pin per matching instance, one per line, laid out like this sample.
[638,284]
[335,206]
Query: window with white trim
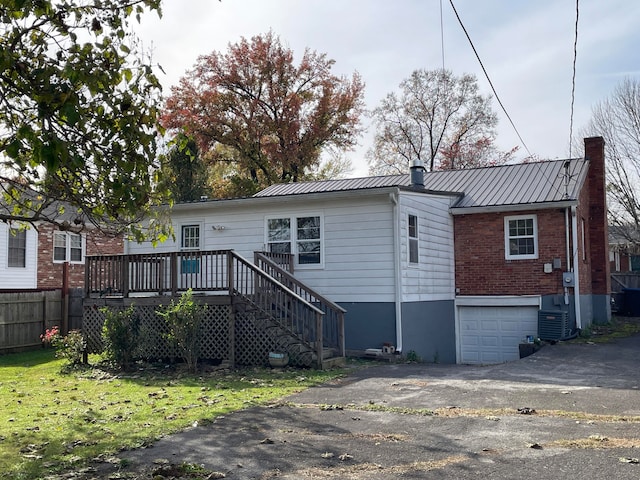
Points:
[412,232]
[190,239]
[300,236]
[17,254]
[68,247]
[521,237]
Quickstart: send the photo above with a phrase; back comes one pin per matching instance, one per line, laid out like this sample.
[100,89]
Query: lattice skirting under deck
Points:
[253,341]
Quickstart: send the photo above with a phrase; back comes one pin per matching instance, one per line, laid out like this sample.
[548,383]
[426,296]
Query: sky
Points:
[526,46]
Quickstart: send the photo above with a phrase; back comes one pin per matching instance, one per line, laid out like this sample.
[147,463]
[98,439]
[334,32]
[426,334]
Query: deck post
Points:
[319,339]
[125,276]
[173,273]
[87,269]
[232,333]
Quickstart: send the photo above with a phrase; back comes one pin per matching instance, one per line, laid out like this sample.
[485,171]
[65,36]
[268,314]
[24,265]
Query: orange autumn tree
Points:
[264,117]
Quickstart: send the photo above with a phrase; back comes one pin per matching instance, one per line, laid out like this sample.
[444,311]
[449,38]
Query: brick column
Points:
[599,228]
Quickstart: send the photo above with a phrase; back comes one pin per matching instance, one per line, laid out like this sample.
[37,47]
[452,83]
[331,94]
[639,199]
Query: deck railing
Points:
[222,271]
[333,320]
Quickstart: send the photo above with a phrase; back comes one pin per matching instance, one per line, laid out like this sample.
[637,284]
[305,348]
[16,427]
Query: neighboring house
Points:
[624,255]
[454,265]
[33,257]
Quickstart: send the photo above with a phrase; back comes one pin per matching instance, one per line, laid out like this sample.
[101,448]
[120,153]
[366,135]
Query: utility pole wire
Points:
[573,79]
[488,79]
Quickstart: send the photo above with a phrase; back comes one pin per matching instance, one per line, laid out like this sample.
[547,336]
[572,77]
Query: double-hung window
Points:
[412,230]
[521,237]
[300,236]
[68,247]
[17,257]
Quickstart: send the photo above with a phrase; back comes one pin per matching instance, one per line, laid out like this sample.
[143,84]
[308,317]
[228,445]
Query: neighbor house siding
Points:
[18,277]
[433,277]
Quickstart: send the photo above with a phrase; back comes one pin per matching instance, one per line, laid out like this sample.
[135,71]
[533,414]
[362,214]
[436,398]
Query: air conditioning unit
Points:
[553,325]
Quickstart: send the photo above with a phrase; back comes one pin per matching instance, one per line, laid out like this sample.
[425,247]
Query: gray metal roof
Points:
[524,183]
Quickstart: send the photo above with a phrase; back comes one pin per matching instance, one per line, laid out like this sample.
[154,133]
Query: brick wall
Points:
[50,273]
[481,267]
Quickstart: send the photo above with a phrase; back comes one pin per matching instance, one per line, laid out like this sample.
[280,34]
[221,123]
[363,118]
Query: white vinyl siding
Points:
[433,277]
[19,277]
[357,240]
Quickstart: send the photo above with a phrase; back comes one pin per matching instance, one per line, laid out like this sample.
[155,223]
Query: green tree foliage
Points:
[437,118]
[617,120]
[185,172]
[273,118]
[78,111]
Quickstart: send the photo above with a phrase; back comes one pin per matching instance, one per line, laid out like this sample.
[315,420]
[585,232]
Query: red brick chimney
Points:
[599,228]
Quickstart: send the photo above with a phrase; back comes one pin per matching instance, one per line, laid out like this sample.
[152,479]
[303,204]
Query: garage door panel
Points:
[492,334]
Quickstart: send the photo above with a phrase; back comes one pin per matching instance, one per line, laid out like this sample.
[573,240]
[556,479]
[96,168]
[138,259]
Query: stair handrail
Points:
[281,271]
[259,271]
[318,313]
[260,259]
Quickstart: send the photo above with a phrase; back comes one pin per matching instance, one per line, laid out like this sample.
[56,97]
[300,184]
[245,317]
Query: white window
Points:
[17,257]
[300,236]
[68,247]
[521,237]
[190,237]
[412,224]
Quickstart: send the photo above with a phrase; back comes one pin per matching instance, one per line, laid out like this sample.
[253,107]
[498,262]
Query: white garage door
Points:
[491,334]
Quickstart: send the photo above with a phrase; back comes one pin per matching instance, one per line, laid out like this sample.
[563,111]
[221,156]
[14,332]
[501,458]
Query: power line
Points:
[441,35]
[551,182]
[488,79]
[573,78]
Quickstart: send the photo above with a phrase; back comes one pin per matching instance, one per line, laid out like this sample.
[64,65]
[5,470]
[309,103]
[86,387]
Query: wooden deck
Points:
[267,290]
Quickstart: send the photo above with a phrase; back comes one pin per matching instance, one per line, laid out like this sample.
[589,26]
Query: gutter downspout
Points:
[568,245]
[576,281]
[397,272]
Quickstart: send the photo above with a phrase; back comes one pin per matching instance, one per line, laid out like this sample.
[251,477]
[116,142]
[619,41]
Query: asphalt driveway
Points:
[570,411]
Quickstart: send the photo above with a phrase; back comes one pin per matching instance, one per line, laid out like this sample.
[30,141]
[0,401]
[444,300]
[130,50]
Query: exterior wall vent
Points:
[553,325]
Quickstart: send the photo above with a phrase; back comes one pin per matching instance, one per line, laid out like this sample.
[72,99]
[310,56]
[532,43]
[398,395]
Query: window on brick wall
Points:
[521,237]
[68,247]
[17,257]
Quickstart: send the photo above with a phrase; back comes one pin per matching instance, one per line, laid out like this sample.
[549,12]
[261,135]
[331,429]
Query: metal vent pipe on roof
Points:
[417,173]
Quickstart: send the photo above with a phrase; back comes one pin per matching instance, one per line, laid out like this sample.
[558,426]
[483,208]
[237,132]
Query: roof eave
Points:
[513,208]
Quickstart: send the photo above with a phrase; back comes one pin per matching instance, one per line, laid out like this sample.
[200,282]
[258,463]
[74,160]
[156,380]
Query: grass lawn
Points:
[55,422]
[618,327]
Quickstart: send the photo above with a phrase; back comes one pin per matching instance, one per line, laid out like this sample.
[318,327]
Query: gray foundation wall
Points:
[369,325]
[428,328]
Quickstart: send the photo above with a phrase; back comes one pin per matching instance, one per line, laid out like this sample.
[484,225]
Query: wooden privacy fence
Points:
[24,316]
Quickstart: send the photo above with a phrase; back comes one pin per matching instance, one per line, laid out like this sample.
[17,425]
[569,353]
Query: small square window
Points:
[190,237]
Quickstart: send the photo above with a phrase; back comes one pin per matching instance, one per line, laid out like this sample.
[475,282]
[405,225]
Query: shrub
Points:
[183,322]
[70,347]
[120,334]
